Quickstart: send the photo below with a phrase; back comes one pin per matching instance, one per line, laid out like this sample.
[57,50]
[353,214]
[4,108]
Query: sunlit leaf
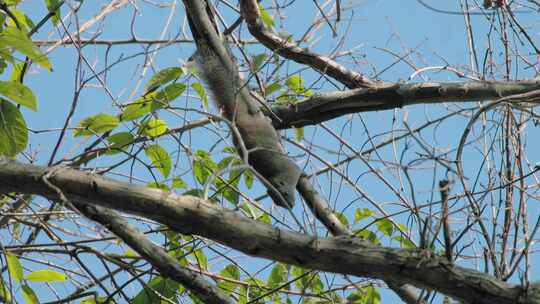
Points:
[201,258]
[5,295]
[299,134]
[385,226]
[257,61]
[16,72]
[342,218]
[160,159]
[231,272]
[23,21]
[17,39]
[51,5]
[162,77]
[248,178]
[154,127]
[266,17]
[136,109]
[119,141]
[46,275]
[199,88]
[29,295]
[274,87]
[368,236]
[361,214]
[152,101]
[278,276]
[157,185]
[162,98]
[203,166]
[13,131]
[96,124]
[18,93]
[14,267]
[178,183]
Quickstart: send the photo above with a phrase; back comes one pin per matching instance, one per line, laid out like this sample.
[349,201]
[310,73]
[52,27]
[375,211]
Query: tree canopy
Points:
[252,151]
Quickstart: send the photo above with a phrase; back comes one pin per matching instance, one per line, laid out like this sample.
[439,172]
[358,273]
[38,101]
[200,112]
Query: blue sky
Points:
[379,31]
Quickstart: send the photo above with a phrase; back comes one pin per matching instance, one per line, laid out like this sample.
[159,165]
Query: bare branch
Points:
[323,107]
[192,215]
[289,50]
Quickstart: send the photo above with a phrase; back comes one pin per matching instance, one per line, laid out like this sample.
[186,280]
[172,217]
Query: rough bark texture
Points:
[191,215]
[326,106]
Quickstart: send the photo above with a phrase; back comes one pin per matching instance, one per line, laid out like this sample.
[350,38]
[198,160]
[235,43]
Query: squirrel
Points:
[266,155]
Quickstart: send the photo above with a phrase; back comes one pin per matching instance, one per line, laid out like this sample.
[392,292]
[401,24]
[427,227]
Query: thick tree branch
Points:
[325,65]
[323,107]
[191,215]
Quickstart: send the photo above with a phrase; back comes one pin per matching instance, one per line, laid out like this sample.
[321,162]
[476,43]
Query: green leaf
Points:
[162,77]
[14,267]
[385,226]
[248,178]
[96,124]
[18,93]
[372,295]
[51,5]
[194,192]
[162,98]
[299,134]
[274,87]
[156,289]
[136,109]
[264,218]
[46,275]
[119,141]
[361,214]
[152,101]
[12,2]
[278,276]
[157,185]
[231,272]
[266,18]
[201,258]
[178,183]
[302,283]
[16,38]
[257,61]
[342,218]
[404,242]
[160,159]
[368,235]
[296,84]
[13,131]
[203,166]
[5,294]
[99,300]
[29,295]
[16,72]
[22,19]
[154,127]
[199,88]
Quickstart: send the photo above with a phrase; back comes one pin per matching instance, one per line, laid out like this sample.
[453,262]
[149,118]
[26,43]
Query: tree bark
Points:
[192,215]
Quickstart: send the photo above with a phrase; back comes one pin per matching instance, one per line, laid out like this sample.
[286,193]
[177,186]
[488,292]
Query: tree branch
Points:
[323,107]
[192,215]
[166,265]
[325,65]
